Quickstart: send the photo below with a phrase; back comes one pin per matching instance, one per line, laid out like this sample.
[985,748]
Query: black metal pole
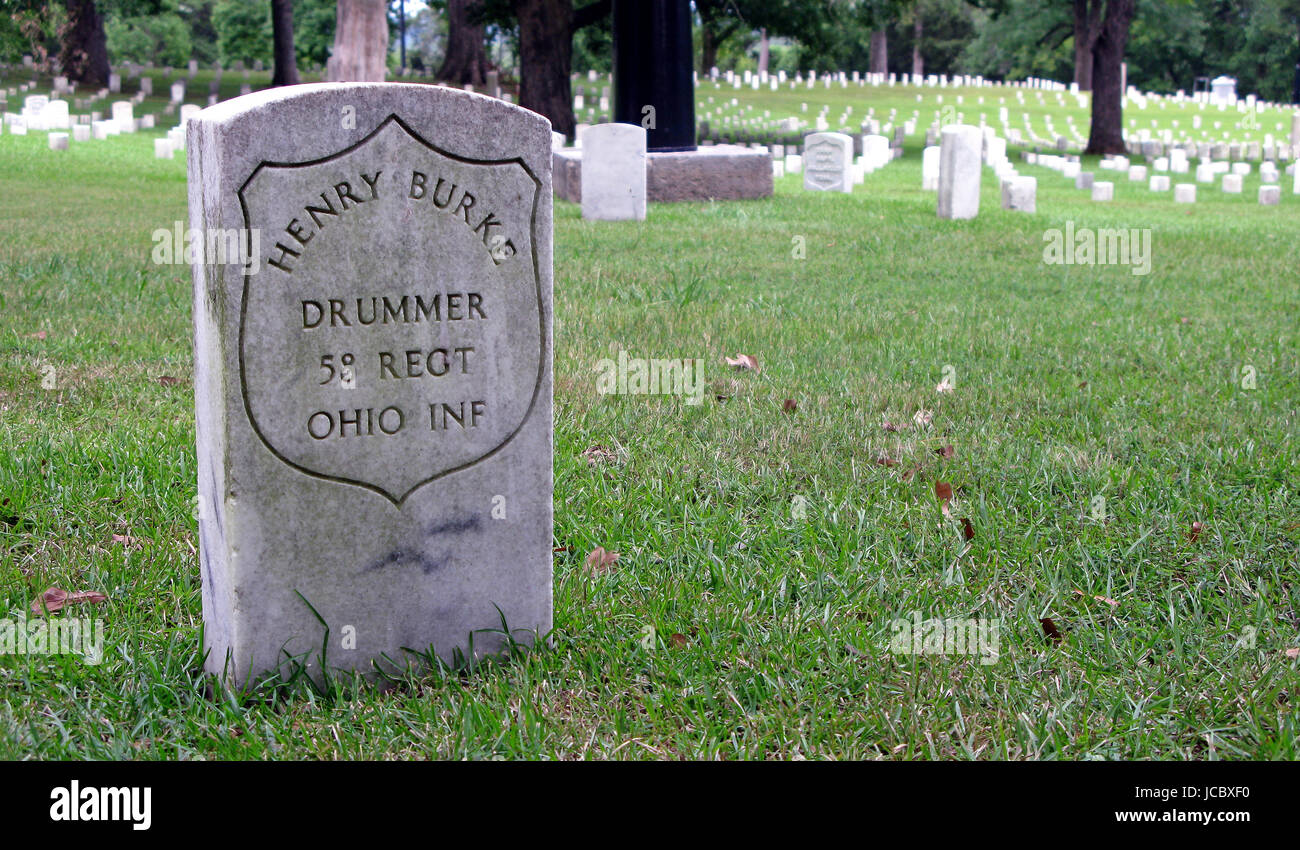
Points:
[653,58]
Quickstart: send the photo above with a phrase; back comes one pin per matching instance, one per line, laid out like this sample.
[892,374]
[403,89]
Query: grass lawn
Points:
[1096,416]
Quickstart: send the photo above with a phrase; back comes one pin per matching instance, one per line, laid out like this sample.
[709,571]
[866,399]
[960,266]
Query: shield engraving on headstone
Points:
[452,381]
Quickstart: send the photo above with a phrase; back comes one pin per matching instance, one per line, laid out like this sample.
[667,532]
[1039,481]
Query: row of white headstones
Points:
[41,113]
[734,114]
[952,169]
[1207,171]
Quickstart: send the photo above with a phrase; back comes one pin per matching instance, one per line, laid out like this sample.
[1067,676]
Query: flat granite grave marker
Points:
[373,388]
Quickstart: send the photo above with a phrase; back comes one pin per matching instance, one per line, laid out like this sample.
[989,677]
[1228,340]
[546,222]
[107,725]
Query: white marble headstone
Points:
[828,162]
[614,172]
[373,388]
[959,171]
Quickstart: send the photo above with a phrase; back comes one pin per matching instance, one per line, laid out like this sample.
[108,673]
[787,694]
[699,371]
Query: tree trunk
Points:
[1107,132]
[545,59]
[84,57]
[1083,67]
[286,60]
[918,30]
[1087,28]
[360,42]
[1295,84]
[708,49]
[466,60]
[762,51]
[879,52]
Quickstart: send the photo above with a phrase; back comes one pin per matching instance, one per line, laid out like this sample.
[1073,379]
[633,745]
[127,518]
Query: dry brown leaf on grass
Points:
[678,641]
[967,529]
[57,598]
[743,361]
[944,386]
[37,335]
[1197,528]
[894,428]
[597,454]
[1049,629]
[886,460]
[125,539]
[946,452]
[168,380]
[1293,652]
[923,417]
[943,492]
[1114,603]
[599,560]
[789,405]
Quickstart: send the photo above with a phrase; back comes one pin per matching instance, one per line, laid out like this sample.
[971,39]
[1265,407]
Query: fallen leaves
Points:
[944,386]
[967,530]
[1114,603]
[597,454]
[37,335]
[923,417]
[1049,629]
[886,460]
[168,380]
[56,598]
[789,405]
[1197,528]
[10,519]
[599,560]
[894,428]
[677,640]
[946,452]
[943,492]
[1293,652]
[744,362]
[125,539]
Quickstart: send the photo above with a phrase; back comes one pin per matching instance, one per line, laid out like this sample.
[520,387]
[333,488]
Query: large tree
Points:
[1087,29]
[286,59]
[719,20]
[466,59]
[1107,131]
[918,31]
[879,52]
[360,42]
[546,29]
[84,57]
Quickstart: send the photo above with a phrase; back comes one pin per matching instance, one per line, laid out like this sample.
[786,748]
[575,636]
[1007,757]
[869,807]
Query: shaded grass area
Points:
[772,615]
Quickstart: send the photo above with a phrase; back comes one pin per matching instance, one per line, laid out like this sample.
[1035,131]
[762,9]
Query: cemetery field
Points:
[1123,531]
